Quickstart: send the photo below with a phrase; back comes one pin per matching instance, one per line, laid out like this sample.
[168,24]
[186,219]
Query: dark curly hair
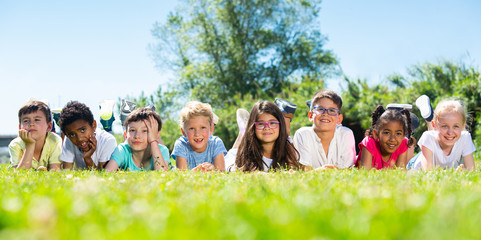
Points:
[74,111]
[381,116]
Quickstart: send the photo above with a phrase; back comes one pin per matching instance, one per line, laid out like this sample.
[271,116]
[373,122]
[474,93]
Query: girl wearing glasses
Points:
[265,145]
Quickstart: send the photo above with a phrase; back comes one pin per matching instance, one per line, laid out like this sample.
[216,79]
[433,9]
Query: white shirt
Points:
[230,161]
[463,147]
[106,145]
[342,149]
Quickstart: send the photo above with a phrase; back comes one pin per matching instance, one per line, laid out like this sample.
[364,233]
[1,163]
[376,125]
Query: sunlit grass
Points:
[347,204]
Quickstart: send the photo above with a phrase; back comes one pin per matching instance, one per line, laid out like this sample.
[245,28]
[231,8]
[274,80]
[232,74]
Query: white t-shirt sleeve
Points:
[428,140]
[109,143]
[347,148]
[301,146]
[467,143]
[68,154]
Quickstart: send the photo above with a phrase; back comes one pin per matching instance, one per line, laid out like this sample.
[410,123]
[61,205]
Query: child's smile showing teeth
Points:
[84,145]
[197,131]
[449,127]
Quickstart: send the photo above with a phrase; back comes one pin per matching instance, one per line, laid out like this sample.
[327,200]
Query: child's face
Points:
[197,131]
[390,136]
[449,126]
[79,133]
[36,124]
[136,136]
[323,121]
[270,132]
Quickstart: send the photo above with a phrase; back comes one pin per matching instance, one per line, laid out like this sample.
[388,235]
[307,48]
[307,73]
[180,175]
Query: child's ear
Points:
[183,133]
[432,124]
[310,116]
[340,118]
[125,135]
[50,126]
[94,125]
[212,129]
[375,134]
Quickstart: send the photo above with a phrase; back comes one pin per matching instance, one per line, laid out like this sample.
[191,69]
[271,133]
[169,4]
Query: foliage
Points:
[347,204]
[296,93]
[220,49]
[165,105]
[438,81]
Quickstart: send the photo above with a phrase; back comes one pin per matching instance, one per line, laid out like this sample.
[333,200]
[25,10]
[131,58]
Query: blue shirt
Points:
[123,156]
[182,148]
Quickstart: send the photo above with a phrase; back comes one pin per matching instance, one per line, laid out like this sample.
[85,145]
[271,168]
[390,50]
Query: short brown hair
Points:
[33,106]
[329,94]
[141,114]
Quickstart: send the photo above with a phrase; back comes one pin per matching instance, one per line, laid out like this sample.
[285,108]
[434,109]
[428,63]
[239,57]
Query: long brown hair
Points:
[249,156]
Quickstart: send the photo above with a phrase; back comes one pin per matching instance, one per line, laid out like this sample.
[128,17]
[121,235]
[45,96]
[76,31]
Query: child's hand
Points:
[461,167]
[204,167]
[26,136]
[93,146]
[42,168]
[325,167]
[152,129]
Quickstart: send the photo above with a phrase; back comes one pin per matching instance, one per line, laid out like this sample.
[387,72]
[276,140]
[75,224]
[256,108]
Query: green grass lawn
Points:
[348,204]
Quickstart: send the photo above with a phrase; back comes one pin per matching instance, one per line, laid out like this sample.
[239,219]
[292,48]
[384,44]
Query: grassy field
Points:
[348,204]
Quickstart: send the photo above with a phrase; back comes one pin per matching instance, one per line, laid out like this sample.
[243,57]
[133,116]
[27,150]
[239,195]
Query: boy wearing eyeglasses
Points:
[327,144]
[197,149]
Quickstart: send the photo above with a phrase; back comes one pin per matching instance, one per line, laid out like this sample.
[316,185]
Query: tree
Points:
[219,49]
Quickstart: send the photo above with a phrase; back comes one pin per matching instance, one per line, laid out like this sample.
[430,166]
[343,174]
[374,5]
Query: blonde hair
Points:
[450,105]
[194,109]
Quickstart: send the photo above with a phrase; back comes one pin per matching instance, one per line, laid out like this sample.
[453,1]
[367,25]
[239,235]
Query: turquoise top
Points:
[123,156]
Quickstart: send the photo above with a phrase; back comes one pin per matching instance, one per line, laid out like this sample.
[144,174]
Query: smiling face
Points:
[197,131]
[136,136]
[323,122]
[449,126]
[79,133]
[271,132]
[36,124]
[390,136]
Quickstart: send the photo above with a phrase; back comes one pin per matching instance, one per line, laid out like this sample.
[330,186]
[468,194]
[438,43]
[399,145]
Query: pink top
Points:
[372,145]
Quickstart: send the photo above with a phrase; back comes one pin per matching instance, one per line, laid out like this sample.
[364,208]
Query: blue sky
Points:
[95,50]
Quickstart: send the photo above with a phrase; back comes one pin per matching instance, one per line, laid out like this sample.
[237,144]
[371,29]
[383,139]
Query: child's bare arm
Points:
[469,162]
[426,158]
[159,163]
[67,165]
[402,160]
[181,163]
[89,162]
[26,160]
[54,167]
[219,162]
[112,166]
[153,138]
[366,159]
